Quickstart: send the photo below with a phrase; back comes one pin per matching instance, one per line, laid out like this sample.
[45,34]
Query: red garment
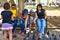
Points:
[23,17]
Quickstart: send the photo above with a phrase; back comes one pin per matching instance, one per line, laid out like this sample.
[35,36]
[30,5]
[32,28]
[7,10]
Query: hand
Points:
[43,19]
[24,28]
[34,21]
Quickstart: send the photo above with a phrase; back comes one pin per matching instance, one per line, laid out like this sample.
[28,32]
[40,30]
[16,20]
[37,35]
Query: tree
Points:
[21,4]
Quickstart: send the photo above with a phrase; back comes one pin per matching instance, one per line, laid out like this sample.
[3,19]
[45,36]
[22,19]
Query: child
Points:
[31,17]
[7,23]
[24,21]
[14,11]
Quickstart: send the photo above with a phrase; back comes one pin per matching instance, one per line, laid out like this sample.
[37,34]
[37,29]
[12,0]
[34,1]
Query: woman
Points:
[40,19]
[7,23]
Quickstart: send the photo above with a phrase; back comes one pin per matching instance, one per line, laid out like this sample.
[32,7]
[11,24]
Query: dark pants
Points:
[21,24]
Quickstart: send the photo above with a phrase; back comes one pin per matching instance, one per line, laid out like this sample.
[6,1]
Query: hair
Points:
[6,6]
[13,5]
[39,6]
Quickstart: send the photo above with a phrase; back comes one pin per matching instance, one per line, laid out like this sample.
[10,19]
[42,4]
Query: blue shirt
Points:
[6,15]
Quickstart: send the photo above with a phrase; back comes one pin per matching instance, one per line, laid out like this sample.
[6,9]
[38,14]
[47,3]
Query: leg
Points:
[5,35]
[43,24]
[38,22]
[15,24]
[22,25]
[10,34]
[28,23]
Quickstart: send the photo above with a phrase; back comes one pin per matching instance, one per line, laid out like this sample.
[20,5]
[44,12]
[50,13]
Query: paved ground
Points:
[17,38]
[53,12]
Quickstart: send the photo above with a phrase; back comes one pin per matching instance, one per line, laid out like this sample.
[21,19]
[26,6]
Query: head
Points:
[39,7]
[6,6]
[13,6]
[31,12]
[25,12]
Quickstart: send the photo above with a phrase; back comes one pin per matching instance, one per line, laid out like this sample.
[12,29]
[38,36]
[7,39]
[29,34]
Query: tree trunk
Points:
[20,5]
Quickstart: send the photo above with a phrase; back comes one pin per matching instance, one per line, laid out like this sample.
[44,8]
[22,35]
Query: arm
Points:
[0,17]
[35,17]
[45,16]
[12,18]
[26,21]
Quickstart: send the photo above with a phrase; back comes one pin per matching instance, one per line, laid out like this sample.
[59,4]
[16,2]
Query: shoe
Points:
[46,36]
[14,36]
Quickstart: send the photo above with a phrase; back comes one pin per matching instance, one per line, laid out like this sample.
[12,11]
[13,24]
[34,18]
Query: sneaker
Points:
[46,36]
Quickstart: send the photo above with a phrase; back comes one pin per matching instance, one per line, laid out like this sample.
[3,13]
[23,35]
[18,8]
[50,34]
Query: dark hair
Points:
[39,6]
[13,5]
[6,6]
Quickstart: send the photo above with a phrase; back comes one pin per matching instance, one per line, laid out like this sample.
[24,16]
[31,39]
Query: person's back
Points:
[6,16]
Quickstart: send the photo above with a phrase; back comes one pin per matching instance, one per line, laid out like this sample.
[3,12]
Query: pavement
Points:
[17,38]
[1,35]
[53,12]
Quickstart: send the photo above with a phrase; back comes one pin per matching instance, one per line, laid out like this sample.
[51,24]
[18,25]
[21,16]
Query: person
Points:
[6,22]
[31,17]
[14,11]
[39,19]
[24,22]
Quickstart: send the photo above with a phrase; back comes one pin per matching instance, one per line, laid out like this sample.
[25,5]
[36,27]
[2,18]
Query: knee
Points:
[28,23]
[21,22]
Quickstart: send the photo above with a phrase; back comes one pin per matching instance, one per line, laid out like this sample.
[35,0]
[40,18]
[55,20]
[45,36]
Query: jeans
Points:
[21,24]
[14,25]
[41,25]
